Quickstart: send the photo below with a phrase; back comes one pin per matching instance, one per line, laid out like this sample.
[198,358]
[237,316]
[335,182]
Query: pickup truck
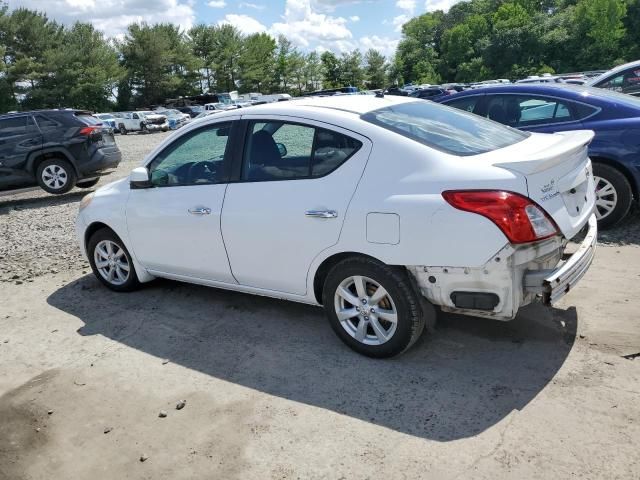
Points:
[145,122]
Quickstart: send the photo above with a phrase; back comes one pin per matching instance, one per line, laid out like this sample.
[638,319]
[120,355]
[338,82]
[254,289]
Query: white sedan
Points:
[375,208]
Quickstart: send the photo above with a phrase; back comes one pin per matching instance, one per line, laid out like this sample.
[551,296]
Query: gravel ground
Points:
[38,235]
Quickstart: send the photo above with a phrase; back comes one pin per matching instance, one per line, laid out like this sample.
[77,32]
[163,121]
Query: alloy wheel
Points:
[606,197]
[365,310]
[111,262]
[54,176]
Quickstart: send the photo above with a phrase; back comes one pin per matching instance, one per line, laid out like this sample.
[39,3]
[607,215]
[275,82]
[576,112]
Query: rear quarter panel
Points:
[406,178]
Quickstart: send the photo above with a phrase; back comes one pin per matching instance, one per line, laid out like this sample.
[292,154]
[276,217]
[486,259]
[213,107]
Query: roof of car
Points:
[357,104]
[563,90]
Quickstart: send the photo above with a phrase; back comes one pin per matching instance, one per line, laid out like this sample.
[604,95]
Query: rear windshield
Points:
[88,119]
[444,128]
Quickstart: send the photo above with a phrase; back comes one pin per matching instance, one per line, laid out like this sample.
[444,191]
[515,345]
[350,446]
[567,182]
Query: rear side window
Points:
[525,110]
[46,123]
[88,119]
[289,151]
[443,128]
[468,104]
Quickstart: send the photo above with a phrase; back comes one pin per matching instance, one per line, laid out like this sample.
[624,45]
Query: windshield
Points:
[105,117]
[444,128]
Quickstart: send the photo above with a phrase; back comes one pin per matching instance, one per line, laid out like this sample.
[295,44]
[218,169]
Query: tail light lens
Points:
[90,130]
[519,218]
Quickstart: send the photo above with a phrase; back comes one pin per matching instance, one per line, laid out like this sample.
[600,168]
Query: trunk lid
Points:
[558,173]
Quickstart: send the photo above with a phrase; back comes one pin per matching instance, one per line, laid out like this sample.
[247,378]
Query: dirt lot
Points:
[272,394]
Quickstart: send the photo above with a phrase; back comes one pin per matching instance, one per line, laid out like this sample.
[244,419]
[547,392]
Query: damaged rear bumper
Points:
[512,278]
[552,285]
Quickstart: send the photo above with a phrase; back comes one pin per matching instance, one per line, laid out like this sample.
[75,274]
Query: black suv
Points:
[55,149]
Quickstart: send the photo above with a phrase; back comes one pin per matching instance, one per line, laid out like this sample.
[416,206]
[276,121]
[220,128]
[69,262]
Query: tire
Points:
[399,297]
[104,245]
[123,130]
[88,183]
[611,186]
[56,176]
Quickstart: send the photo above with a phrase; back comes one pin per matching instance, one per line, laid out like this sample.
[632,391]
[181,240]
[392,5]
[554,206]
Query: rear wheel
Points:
[56,176]
[613,195]
[88,183]
[111,262]
[123,130]
[372,307]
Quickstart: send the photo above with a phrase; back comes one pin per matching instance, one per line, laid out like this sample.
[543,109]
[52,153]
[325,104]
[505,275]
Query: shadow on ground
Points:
[40,199]
[452,384]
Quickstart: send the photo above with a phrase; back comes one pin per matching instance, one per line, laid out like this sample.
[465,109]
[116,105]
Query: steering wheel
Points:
[202,172]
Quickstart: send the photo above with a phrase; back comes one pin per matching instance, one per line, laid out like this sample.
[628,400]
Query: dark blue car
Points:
[548,108]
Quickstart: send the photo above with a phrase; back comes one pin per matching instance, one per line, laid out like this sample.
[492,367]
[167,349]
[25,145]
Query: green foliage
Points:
[375,69]
[482,39]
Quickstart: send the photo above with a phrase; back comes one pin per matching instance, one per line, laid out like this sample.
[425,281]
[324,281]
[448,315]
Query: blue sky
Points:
[336,25]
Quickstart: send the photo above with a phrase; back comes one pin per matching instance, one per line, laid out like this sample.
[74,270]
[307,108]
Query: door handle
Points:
[200,211]
[321,213]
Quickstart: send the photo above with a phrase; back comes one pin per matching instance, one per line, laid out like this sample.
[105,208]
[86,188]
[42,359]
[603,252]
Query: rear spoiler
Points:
[572,142]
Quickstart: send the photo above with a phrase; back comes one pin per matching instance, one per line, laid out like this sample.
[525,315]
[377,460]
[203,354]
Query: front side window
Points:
[287,151]
[443,128]
[194,159]
[522,111]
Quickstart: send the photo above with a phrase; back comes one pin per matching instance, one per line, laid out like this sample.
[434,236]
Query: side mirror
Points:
[282,149]
[139,178]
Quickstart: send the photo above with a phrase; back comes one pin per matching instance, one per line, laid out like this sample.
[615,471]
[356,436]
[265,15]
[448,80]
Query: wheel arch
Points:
[622,168]
[93,227]
[325,267]
[56,152]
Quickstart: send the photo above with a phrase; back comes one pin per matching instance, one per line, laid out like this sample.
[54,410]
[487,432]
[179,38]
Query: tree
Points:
[257,63]
[331,69]
[600,23]
[375,69]
[228,48]
[83,72]
[201,41]
[284,65]
[351,71]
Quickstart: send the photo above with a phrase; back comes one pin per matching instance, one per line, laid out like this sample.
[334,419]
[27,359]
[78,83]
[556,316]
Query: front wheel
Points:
[111,262]
[373,307]
[613,195]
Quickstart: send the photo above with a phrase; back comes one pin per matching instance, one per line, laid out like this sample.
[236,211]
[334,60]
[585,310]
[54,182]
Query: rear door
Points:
[19,136]
[290,199]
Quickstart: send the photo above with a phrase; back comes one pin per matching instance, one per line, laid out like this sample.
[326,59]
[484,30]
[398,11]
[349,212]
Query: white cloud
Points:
[408,5]
[354,18]
[113,21]
[244,23]
[445,5]
[304,27]
[255,6]
[399,21]
[217,4]
[385,45]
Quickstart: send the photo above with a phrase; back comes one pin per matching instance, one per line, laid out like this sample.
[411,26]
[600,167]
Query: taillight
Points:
[519,218]
[89,130]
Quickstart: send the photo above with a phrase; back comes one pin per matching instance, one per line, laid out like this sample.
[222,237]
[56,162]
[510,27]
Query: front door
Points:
[289,204]
[174,226]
